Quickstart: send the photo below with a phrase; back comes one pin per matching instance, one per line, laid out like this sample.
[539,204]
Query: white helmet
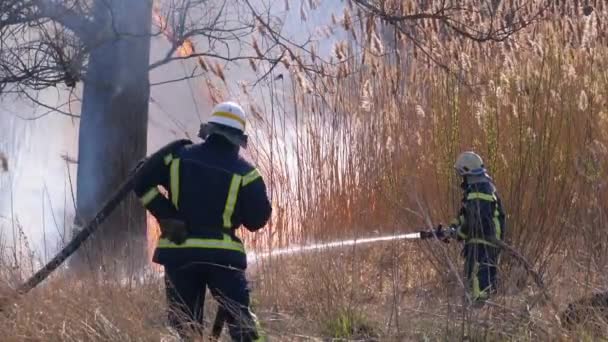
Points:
[469,164]
[229,114]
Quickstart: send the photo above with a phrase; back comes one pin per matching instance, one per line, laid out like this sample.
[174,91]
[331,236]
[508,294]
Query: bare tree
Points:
[105,45]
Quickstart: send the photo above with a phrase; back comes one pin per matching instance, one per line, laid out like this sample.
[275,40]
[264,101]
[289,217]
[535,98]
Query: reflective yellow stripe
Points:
[227,243]
[476,289]
[230,116]
[233,194]
[478,293]
[497,226]
[149,196]
[481,196]
[258,327]
[481,242]
[175,182]
[461,219]
[250,177]
[168,158]
[462,235]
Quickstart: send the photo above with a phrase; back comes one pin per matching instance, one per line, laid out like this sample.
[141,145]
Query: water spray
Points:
[439,233]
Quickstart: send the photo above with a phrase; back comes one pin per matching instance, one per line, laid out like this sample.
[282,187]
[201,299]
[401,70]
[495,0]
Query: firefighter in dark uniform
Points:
[212,191]
[481,220]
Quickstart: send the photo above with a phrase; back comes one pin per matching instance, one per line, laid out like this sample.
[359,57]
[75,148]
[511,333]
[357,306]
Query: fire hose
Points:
[127,187]
[117,197]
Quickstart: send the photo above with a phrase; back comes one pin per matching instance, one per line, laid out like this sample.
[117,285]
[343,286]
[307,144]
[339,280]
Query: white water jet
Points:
[295,250]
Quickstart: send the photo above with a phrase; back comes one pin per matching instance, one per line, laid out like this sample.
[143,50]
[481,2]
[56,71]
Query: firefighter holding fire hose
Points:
[481,220]
[212,191]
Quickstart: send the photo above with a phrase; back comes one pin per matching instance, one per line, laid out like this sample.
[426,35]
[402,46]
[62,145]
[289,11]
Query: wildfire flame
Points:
[186,49]
[153,234]
[186,46]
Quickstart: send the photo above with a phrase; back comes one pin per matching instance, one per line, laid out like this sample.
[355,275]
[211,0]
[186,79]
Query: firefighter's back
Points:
[215,192]
[485,217]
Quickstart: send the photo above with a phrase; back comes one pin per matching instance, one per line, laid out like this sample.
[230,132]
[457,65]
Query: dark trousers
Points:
[186,286]
[481,269]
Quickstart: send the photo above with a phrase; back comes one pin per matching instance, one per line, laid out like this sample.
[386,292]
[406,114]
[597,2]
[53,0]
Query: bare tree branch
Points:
[16,12]
[76,22]
[51,109]
[454,17]
[44,43]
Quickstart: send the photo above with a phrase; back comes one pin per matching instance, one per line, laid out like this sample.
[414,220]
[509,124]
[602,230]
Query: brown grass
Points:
[371,152]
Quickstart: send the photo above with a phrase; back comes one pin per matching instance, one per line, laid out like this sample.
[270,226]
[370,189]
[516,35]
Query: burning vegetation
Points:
[365,145]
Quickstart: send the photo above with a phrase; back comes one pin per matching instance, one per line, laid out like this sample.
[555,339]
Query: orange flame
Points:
[185,48]
[153,234]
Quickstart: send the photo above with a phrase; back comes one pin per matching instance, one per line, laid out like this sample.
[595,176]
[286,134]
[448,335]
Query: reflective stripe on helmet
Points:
[230,116]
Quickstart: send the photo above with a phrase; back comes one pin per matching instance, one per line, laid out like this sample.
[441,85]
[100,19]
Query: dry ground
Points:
[392,292]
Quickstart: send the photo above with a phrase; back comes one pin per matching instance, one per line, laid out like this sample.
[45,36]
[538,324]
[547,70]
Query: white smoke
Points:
[34,193]
[37,191]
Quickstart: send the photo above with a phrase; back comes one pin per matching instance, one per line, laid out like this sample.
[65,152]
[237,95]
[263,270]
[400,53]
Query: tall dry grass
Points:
[369,151]
[374,150]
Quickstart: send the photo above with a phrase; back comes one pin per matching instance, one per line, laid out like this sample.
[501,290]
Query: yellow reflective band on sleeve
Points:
[168,159]
[233,194]
[462,235]
[461,219]
[227,244]
[149,196]
[497,226]
[175,182]
[250,177]
[481,196]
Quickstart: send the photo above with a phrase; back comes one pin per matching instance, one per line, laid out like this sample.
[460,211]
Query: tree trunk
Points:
[113,132]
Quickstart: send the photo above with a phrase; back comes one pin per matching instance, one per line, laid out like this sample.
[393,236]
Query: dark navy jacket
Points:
[481,217]
[214,191]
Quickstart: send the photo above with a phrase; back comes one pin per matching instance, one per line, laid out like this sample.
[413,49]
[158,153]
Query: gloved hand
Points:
[443,234]
[173,230]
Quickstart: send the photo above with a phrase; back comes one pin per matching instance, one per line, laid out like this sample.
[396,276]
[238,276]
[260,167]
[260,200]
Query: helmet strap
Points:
[207,129]
[464,183]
